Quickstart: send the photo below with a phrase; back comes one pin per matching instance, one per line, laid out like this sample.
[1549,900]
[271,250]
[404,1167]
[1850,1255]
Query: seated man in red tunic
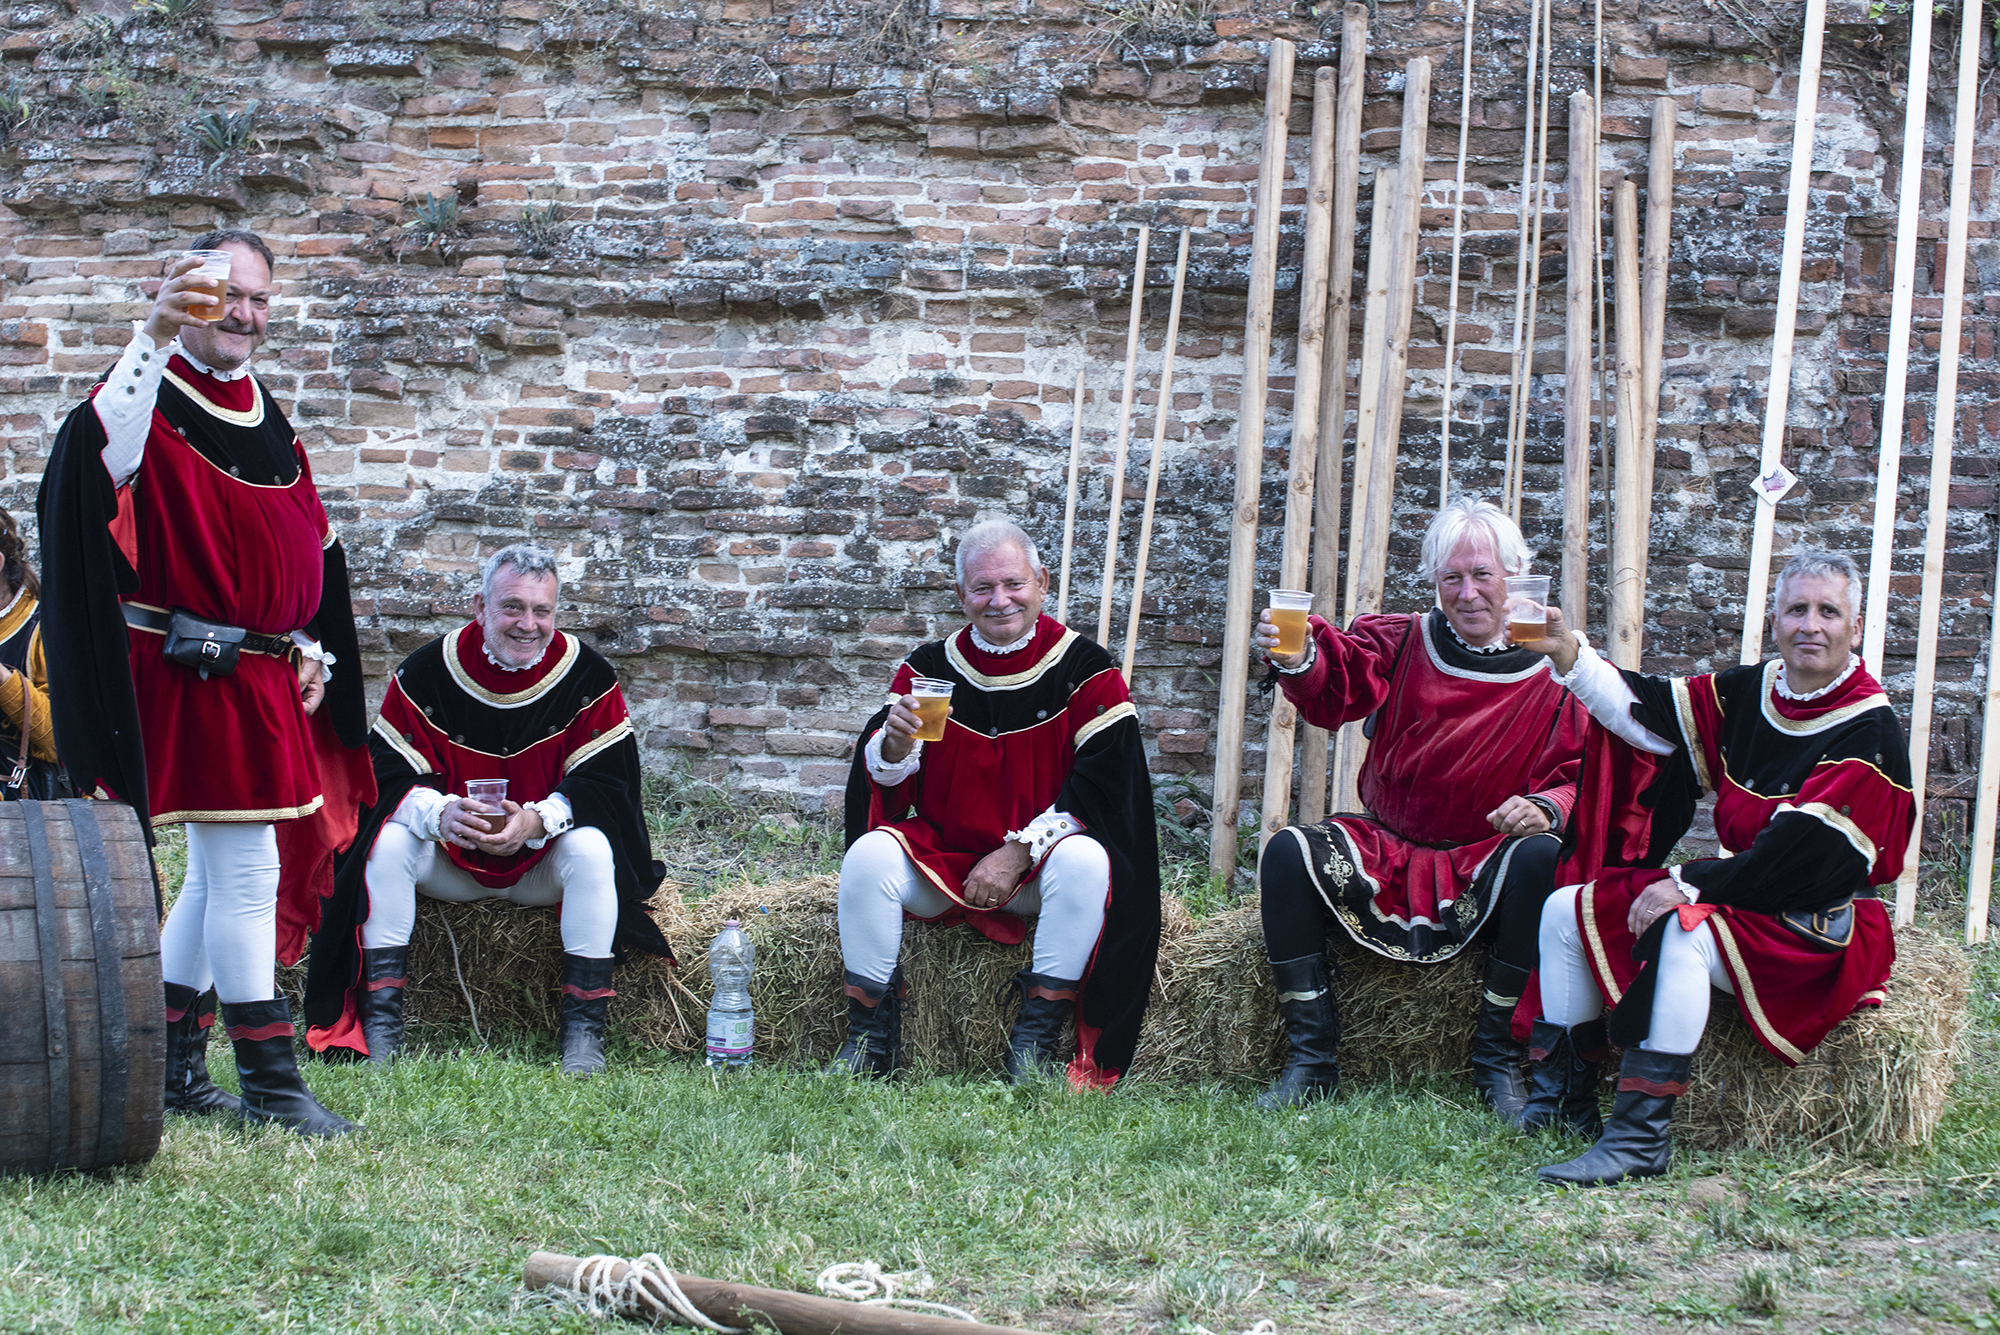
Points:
[1470,773]
[506,696]
[1812,783]
[1035,803]
[197,600]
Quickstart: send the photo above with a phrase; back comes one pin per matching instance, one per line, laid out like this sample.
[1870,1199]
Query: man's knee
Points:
[582,856]
[1559,916]
[875,861]
[1078,861]
[396,857]
[1283,863]
[1532,867]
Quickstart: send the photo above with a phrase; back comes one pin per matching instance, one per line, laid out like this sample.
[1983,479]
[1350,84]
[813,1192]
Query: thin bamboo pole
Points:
[1778,396]
[1943,433]
[1632,477]
[1519,433]
[1457,232]
[1237,612]
[1979,886]
[1116,490]
[1281,732]
[1523,346]
[1349,744]
[1583,203]
[1653,280]
[1159,447]
[1316,743]
[1903,287]
[1069,506]
[1601,346]
[1373,560]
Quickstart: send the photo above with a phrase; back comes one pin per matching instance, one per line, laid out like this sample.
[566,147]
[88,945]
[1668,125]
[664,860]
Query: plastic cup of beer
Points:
[210,281]
[933,703]
[1527,608]
[1289,610]
[488,792]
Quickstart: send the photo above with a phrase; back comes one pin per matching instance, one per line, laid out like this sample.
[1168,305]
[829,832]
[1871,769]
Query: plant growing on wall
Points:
[220,133]
[542,228]
[438,223]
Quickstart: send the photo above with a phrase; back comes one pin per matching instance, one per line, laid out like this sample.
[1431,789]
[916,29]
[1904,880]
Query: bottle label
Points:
[729,1034]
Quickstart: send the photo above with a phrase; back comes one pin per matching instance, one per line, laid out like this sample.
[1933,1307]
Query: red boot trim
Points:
[176,1016]
[381,983]
[1052,993]
[1659,1089]
[244,1033]
[861,996]
[1538,1054]
[588,994]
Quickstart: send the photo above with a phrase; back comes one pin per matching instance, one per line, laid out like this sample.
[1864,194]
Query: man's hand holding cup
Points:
[1266,640]
[1557,645]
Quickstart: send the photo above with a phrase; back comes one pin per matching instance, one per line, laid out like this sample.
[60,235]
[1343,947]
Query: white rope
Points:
[647,1290]
[1264,1327]
[861,1282]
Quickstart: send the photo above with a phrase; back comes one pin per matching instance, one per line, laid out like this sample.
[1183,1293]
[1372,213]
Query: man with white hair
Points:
[1035,803]
[506,696]
[1470,775]
[1811,778]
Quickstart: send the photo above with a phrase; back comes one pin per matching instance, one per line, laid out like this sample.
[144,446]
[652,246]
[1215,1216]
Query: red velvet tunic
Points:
[1456,733]
[1813,800]
[236,747]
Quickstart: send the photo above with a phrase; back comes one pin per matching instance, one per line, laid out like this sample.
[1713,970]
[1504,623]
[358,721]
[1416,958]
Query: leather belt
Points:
[140,617]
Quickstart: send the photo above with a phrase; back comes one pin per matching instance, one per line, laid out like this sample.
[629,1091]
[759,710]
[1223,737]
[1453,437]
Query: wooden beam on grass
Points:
[1117,488]
[1583,208]
[1943,433]
[1159,444]
[1069,505]
[1778,395]
[1238,612]
[1633,479]
[1316,742]
[1281,731]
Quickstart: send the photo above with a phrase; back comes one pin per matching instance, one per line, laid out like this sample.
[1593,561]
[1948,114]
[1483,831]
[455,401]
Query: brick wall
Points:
[820,277]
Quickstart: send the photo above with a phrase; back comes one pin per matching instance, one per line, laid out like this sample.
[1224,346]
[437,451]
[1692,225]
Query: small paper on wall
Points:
[1773,485]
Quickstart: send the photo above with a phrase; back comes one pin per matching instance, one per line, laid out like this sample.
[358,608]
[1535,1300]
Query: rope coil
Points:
[647,1290]
[860,1281]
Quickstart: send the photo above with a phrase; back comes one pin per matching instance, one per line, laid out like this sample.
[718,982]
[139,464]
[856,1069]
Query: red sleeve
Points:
[1350,677]
[1561,762]
[1096,705]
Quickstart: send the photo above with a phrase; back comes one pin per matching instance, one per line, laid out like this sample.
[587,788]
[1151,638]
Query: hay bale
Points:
[1877,1082]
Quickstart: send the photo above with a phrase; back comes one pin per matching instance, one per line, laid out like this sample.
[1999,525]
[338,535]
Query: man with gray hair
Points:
[1471,771]
[508,769]
[1025,797]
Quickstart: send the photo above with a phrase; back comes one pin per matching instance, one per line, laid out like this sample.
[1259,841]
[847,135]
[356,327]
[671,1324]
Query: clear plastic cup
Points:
[933,704]
[1527,608]
[1289,610]
[211,280]
[488,793]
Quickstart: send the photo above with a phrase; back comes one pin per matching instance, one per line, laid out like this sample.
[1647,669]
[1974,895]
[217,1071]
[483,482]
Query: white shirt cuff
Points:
[1692,892]
[882,771]
[557,817]
[125,404]
[1043,832]
[1602,689]
[420,811]
[313,649]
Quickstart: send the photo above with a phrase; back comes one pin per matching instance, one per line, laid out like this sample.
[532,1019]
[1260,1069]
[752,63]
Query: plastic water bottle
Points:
[731,957]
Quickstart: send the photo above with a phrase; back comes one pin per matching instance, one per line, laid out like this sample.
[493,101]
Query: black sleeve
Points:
[1795,862]
[604,793]
[333,627]
[858,797]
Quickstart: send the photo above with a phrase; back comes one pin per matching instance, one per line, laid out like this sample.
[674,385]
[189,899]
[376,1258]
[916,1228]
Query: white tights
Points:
[878,882]
[223,928]
[1690,964]
[578,873]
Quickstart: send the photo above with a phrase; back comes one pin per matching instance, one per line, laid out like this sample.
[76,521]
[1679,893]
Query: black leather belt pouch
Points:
[205,646]
[1829,927]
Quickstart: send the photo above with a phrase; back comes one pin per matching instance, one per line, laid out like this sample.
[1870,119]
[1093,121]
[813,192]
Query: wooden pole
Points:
[1281,732]
[1519,453]
[1377,518]
[1882,548]
[1368,390]
[1583,204]
[1778,396]
[1457,231]
[1653,280]
[1979,886]
[1602,345]
[1159,446]
[1313,749]
[1238,611]
[1523,331]
[1117,487]
[1633,478]
[789,1313]
[1069,506]
[1943,432]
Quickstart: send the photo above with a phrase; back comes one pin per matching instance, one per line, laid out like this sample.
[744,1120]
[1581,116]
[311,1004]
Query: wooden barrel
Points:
[83,1041]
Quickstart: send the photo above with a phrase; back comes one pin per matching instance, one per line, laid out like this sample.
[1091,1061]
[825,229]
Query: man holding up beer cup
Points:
[1025,796]
[507,769]
[1471,771]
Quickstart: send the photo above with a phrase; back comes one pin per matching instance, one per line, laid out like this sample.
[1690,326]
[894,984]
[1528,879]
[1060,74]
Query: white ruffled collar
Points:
[1801,697]
[1499,648]
[199,365]
[986,646]
[487,649]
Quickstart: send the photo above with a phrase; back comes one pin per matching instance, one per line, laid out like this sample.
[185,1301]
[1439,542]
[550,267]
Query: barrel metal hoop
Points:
[48,932]
[113,1035]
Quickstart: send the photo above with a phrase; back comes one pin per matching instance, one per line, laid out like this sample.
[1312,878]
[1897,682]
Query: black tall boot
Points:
[384,973]
[586,1000]
[269,1070]
[189,1090]
[874,1027]
[1562,1084]
[1034,1044]
[1496,1057]
[1635,1143]
[1312,1027]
